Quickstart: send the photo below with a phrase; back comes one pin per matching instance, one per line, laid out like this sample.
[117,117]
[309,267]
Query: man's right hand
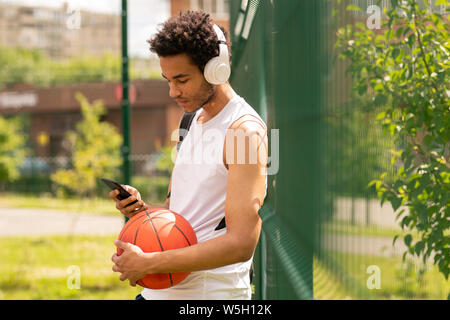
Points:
[121,205]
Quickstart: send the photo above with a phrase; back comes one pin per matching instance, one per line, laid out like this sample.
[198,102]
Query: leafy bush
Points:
[12,148]
[95,152]
[407,68]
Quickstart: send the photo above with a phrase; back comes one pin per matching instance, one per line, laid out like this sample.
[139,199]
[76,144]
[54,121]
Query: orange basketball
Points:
[155,230]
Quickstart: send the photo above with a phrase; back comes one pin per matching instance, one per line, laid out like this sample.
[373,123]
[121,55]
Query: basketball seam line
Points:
[156,233]
[160,245]
[137,231]
[127,226]
[170,278]
[182,233]
[175,225]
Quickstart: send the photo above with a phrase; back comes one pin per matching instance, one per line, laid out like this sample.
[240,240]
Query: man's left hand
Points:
[131,263]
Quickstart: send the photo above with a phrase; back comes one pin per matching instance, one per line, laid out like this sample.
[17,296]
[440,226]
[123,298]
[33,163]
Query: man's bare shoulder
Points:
[238,151]
[249,123]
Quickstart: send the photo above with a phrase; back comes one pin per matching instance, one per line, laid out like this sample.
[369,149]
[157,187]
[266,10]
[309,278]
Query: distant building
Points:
[59,32]
[219,9]
[54,111]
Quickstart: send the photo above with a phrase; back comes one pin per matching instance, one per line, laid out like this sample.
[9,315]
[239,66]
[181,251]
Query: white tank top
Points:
[199,177]
[198,193]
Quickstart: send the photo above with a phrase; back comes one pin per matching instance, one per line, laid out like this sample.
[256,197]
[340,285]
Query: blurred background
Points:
[326,233]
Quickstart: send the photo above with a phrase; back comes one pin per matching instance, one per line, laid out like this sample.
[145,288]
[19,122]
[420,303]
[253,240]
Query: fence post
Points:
[125,101]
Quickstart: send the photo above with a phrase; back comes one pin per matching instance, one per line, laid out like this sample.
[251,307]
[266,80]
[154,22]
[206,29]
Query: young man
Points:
[215,179]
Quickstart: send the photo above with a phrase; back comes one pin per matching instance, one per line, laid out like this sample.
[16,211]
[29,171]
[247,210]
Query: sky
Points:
[143,16]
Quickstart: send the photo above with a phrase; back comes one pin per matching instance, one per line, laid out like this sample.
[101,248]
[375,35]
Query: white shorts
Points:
[206,285]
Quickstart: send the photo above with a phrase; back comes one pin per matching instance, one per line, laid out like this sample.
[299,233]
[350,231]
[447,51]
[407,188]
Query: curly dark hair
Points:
[192,33]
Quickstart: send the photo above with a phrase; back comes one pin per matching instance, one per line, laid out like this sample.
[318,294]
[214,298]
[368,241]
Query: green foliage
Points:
[18,65]
[85,69]
[12,148]
[406,67]
[153,189]
[165,162]
[21,65]
[356,144]
[95,151]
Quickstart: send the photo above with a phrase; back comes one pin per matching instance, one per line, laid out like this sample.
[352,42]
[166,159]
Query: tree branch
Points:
[419,40]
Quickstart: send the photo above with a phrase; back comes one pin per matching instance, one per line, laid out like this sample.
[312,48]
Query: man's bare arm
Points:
[245,196]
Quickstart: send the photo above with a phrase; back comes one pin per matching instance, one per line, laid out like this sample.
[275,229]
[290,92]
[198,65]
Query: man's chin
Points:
[187,109]
[190,108]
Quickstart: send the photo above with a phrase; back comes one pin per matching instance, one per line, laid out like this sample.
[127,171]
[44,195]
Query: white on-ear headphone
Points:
[217,70]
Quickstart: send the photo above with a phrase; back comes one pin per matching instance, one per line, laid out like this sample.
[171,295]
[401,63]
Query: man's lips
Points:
[181,102]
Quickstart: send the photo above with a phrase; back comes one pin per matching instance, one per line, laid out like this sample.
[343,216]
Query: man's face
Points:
[187,84]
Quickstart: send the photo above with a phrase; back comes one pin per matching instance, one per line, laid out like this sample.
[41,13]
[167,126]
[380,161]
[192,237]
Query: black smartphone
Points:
[115,185]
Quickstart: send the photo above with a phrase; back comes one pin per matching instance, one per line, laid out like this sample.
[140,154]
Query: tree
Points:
[407,68]
[12,148]
[95,151]
[19,65]
[85,69]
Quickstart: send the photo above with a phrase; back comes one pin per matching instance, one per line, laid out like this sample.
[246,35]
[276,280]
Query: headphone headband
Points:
[219,33]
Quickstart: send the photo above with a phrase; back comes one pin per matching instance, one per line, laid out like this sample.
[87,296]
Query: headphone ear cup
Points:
[223,72]
[216,72]
[209,70]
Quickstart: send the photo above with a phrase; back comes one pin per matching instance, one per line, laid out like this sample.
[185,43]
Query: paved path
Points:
[360,210]
[15,222]
[363,245]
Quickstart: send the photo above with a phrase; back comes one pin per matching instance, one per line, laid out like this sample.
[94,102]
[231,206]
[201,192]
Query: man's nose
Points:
[174,92]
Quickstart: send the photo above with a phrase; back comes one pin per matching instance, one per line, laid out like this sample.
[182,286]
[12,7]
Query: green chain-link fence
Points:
[325,234]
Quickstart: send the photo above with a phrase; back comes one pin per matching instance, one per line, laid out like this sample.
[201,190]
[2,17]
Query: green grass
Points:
[94,205]
[398,280]
[38,268]
[345,227]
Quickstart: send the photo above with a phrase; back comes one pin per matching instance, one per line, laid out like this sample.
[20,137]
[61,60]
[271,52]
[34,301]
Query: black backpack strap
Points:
[221,225]
[185,124]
